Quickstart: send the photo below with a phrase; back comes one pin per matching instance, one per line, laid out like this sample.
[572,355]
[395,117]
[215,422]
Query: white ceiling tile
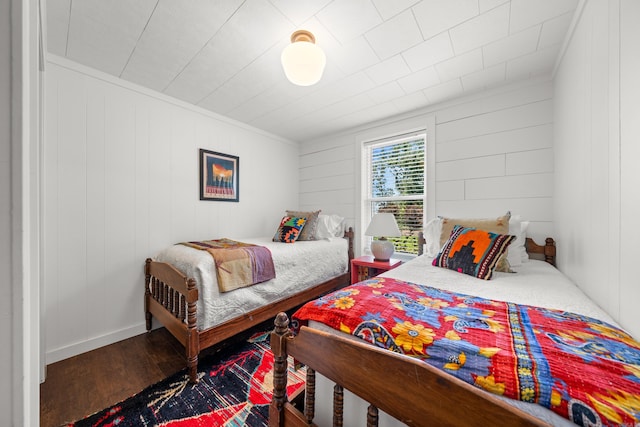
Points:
[391,69]
[554,30]
[486,78]
[159,55]
[300,10]
[436,16]
[516,45]
[395,35]
[490,4]
[355,55]
[483,29]
[461,65]
[441,92]
[526,13]
[411,101]
[419,80]
[388,9]
[57,25]
[104,34]
[539,62]
[349,19]
[429,52]
[386,92]
[259,76]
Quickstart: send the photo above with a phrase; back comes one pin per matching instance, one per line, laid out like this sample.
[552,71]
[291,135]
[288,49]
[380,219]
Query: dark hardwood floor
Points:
[84,384]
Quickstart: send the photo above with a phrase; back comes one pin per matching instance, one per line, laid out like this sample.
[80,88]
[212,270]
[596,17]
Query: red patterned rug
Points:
[235,389]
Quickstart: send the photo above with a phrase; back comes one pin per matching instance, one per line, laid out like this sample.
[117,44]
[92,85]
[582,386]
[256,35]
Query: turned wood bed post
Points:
[193,341]
[550,251]
[278,347]
[147,294]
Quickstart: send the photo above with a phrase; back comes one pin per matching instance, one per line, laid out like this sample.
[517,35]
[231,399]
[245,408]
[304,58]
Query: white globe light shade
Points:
[303,63]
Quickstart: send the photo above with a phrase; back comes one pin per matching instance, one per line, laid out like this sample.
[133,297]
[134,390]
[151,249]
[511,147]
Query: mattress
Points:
[298,266]
[534,283]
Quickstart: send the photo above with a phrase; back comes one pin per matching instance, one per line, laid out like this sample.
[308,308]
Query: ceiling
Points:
[384,57]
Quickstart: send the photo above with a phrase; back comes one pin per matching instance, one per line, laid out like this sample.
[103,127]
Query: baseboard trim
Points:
[75,349]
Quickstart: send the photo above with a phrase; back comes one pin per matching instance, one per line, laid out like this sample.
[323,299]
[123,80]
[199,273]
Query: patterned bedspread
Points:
[585,370]
[237,264]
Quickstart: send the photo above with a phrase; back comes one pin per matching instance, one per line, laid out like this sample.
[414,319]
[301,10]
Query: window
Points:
[395,182]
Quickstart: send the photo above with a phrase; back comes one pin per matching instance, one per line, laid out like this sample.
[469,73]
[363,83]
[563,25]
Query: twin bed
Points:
[566,359]
[182,292]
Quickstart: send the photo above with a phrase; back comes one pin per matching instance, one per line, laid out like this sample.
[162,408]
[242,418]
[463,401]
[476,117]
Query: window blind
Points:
[396,184]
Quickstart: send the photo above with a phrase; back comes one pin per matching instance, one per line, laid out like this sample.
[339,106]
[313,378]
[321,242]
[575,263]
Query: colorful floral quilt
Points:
[237,264]
[583,369]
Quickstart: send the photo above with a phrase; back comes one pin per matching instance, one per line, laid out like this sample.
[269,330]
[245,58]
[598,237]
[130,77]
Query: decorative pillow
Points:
[329,226]
[472,251]
[498,225]
[289,229]
[309,230]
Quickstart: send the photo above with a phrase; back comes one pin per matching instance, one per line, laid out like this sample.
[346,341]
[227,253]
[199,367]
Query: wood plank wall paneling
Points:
[595,150]
[493,154]
[121,183]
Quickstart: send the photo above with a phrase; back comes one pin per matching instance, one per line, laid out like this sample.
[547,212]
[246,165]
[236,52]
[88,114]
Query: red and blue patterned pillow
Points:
[289,229]
[472,251]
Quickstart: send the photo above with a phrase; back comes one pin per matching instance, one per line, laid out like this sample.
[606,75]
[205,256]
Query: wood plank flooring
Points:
[84,384]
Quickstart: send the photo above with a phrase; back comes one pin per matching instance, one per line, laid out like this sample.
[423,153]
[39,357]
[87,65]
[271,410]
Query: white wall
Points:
[493,154]
[597,106]
[121,183]
[6,283]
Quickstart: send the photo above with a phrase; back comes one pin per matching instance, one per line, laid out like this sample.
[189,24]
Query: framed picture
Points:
[219,176]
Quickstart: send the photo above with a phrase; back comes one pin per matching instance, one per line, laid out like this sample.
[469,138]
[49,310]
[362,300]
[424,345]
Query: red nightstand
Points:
[365,267]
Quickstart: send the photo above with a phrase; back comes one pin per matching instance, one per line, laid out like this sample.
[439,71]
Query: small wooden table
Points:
[366,267]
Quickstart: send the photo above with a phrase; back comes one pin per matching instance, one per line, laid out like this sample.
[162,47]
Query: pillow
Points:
[498,225]
[472,251]
[517,253]
[524,255]
[329,226]
[289,229]
[432,232]
[309,230]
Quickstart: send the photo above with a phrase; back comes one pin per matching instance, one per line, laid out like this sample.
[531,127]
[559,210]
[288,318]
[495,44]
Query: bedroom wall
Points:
[493,153]
[121,183]
[597,100]
[9,398]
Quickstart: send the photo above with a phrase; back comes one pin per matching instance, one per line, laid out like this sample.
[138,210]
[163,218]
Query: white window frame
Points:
[395,131]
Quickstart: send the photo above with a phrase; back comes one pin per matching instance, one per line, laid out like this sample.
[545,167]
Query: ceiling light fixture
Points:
[303,61]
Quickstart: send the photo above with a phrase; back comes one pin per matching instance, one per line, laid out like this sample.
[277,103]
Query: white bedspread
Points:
[535,283]
[298,265]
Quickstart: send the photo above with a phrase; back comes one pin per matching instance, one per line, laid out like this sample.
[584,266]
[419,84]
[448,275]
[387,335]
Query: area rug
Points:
[235,388]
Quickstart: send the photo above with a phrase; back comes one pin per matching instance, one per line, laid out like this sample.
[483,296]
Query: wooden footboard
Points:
[419,394]
[167,292]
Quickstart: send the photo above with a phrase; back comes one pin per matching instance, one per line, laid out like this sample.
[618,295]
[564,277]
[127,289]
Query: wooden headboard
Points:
[546,252]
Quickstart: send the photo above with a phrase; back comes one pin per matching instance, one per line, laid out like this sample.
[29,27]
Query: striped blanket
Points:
[237,264]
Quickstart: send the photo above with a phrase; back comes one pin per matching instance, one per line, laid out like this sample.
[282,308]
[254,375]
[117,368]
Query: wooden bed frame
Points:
[167,292]
[420,394]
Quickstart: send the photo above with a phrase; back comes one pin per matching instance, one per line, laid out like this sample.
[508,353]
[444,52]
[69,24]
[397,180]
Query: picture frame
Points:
[219,176]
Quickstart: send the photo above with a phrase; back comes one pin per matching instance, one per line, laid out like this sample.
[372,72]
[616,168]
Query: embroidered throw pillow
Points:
[289,229]
[472,251]
[498,225]
[310,227]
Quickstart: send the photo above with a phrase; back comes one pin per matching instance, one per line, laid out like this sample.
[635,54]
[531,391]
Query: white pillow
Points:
[432,231]
[330,226]
[517,251]
[524,255]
